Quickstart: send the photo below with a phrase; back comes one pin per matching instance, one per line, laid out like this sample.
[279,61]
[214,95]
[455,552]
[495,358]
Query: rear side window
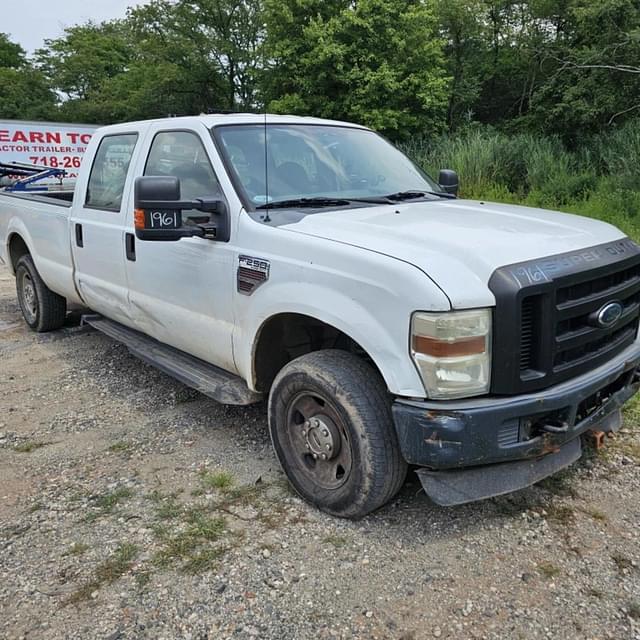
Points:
[109,172]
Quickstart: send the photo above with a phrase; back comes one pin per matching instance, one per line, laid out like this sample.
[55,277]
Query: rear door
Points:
[98,233]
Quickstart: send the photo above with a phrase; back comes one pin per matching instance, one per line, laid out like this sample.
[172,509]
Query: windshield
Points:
[315,162]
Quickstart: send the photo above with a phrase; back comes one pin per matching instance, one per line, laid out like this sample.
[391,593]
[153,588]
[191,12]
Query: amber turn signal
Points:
[445,349]
[138,219]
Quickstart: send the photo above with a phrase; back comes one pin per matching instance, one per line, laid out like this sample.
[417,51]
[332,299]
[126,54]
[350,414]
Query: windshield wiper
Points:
[411,195]
[305,202]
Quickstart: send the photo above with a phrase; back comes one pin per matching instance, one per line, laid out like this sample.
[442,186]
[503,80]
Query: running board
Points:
[206,378]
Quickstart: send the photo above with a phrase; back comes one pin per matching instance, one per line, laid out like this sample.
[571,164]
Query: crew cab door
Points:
[181,292]
[98,227]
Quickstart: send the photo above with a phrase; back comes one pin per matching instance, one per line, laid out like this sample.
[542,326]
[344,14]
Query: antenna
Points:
[266,166]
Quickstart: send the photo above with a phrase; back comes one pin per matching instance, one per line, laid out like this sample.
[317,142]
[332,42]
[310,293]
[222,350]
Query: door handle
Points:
[130,246]
[79,239]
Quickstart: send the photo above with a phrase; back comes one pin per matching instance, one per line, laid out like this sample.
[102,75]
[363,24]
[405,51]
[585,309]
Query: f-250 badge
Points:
[252,272]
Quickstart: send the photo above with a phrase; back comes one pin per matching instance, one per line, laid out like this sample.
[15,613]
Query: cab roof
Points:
[217,119]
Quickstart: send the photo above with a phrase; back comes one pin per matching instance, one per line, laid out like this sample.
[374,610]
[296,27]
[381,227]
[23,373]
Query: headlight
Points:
[452,351]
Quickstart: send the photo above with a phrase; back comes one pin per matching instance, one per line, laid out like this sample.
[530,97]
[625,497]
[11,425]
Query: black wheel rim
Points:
[319,444]
[28,296]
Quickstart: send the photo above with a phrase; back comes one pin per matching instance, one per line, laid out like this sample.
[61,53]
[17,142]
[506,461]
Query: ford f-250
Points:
[388,322]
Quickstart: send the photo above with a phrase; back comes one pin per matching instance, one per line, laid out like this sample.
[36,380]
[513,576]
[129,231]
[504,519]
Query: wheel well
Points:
[17,248]
[287,336]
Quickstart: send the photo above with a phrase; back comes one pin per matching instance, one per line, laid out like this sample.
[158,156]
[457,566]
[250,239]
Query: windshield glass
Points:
[316,161]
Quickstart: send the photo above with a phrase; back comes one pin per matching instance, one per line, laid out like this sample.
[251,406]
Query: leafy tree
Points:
[378,62]
[594,75]
[227,33]
[12,55]
[25,94]
[84,57]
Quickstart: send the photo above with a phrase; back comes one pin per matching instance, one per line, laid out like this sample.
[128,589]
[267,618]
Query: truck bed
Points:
[42,220]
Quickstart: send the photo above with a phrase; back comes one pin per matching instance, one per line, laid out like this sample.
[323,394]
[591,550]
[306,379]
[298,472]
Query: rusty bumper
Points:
[494,430]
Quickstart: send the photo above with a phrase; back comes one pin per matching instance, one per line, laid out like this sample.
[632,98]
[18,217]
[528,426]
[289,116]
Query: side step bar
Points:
[198,374]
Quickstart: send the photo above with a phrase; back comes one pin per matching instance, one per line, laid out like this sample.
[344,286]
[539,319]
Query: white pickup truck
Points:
[388,322]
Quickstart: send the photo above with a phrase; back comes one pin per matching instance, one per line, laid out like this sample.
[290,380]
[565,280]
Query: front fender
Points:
[386,345]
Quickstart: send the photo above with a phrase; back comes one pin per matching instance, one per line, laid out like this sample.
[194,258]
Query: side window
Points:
[109,172]
[181,154]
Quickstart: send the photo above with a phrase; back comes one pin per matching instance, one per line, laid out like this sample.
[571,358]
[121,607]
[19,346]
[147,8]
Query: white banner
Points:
[48,144]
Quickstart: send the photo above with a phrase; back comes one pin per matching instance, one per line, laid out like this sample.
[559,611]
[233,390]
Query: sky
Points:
[29,22]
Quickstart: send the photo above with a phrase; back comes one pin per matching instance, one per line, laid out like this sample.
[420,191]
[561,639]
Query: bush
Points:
[600,179]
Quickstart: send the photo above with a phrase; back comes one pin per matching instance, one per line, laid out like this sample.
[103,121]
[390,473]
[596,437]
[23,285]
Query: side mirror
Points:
[158,212]
[448,180]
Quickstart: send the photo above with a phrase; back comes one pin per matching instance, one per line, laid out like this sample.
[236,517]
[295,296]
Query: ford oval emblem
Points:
[608,315]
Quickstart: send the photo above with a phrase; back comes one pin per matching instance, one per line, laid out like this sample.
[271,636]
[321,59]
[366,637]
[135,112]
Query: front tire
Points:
[42,309]
[332,430]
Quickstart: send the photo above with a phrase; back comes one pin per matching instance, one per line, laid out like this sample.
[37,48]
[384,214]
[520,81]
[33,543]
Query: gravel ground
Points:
[132,507]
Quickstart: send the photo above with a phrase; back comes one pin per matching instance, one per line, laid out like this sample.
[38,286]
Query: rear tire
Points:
[42,309]
[332,430]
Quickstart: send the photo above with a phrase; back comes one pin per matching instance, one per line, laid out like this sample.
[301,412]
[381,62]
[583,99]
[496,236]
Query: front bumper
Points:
[494,430]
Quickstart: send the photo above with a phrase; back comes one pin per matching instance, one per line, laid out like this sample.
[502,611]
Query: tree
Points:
[12,55]
[594,74]
[228,34]
[25,93]
[378,62]
[77,63]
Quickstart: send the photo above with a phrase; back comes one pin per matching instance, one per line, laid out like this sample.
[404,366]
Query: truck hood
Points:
[458,243]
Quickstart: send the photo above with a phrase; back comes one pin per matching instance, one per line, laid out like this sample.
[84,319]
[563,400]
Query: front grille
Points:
[577,340]
[526,335]
[545,328]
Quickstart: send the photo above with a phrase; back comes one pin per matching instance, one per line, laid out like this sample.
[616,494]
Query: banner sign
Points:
[47,144]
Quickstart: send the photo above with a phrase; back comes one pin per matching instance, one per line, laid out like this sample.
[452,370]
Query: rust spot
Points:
[549,446]
[597,438]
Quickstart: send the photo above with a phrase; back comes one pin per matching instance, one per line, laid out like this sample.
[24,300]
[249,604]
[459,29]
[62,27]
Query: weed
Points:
[121,447]
[562,514]
[622,562]
[29,446]
[548,569]
[204,526]
[222,480]
[77,549]
[336,541]
[142,579]
[36,506]
[167,506]
[596,514]
[107,502]
[204,560]
[634,610]
[107,572]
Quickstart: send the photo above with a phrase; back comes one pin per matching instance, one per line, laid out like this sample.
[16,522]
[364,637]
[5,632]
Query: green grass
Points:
[29,446]
[77,549]
[336,541]
[222,480]
[549,570]
[120,447]
[600,179]
[107,572]
[106,503]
